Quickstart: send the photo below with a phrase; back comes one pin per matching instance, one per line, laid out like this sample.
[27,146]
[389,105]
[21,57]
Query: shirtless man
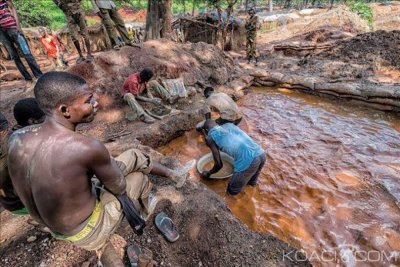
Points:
[26,112]
[51,167]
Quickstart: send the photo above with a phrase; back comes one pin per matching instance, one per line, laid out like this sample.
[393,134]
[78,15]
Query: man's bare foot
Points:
[180,176]
[147,119]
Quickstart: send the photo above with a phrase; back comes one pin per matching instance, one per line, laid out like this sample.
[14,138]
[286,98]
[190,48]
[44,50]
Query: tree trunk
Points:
[270,5]
[193,8]
[159,19]
[184,7]
[246,4]
[229,11]
[166,17]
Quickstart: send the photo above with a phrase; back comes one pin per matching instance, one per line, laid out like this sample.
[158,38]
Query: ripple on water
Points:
[332,178]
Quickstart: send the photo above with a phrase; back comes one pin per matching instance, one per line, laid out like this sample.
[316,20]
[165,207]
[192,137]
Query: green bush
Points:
[363,10]
[32,14]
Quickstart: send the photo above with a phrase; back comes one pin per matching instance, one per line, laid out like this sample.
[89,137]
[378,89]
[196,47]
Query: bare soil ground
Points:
[333,53]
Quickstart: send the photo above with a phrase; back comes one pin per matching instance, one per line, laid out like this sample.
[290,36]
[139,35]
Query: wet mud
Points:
[331,182]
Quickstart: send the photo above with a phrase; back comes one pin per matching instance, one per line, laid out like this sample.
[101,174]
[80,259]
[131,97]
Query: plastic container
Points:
[207,158]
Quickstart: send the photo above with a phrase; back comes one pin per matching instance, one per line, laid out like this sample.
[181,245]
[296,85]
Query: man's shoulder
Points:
[23,138]
[25,132]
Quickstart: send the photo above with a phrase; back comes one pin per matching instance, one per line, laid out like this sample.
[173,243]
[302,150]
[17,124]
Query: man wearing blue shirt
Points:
[249,157]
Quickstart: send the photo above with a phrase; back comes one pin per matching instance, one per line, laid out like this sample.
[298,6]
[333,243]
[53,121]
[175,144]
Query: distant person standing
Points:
[252,26]
[12,38]
[107,11]
[139,35]
[131,33]
[76,25]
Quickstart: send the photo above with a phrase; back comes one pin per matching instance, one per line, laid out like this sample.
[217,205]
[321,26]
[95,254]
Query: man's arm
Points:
[106,169]
[14,13]
[217,158]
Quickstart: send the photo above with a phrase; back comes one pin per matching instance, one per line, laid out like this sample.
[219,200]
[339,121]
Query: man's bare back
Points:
[51,166]
[54,199]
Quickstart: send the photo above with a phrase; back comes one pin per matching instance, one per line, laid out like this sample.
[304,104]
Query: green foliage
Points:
[32,14]
[363,10]
[39,13]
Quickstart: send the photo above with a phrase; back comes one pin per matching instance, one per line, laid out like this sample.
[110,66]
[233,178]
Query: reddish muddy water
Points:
[331,184]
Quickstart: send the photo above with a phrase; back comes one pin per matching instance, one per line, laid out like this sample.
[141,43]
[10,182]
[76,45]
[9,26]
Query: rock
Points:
[247,79]
[31,238]
[148,240]
[86,264]
[10,76]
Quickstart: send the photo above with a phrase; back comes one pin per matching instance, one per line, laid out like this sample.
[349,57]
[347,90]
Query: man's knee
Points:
[129,96]
[138,185]
[235,186]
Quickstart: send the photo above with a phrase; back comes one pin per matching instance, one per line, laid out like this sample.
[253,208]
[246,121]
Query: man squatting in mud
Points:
[140,83]
[51,167]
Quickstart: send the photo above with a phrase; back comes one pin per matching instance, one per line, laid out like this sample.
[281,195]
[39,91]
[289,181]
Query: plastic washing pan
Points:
[207,158]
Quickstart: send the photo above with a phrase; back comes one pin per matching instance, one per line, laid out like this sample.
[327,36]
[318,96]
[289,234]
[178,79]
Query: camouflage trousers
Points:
[251,47]
[111,18]
[77,26]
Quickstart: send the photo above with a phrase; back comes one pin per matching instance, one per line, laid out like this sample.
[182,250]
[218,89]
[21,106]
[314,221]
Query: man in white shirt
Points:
[223,104]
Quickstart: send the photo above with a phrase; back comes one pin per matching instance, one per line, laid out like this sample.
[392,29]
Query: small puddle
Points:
[331,184]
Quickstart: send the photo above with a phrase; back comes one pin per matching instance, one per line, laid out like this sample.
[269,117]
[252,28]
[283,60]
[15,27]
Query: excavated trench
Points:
[331,182]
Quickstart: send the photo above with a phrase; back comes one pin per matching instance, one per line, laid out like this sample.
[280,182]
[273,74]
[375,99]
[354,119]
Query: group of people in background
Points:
[13,38]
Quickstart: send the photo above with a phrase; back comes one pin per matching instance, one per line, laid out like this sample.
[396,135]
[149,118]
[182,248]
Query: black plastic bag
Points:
[133,217]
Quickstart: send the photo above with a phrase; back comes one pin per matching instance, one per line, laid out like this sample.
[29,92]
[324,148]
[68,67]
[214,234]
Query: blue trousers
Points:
[12,39]
[249,176]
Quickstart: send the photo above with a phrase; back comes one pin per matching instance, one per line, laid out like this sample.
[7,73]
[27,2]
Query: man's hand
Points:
[206,175]
[156,101]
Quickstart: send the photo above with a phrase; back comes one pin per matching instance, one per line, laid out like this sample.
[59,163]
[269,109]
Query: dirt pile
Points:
[386,17]
[380,47]
[340,18]
[196,64]
[129,14]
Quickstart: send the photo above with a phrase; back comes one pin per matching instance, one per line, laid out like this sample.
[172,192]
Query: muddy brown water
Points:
[331,184]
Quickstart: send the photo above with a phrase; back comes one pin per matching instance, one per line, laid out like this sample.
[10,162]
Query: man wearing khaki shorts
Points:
[51,167]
